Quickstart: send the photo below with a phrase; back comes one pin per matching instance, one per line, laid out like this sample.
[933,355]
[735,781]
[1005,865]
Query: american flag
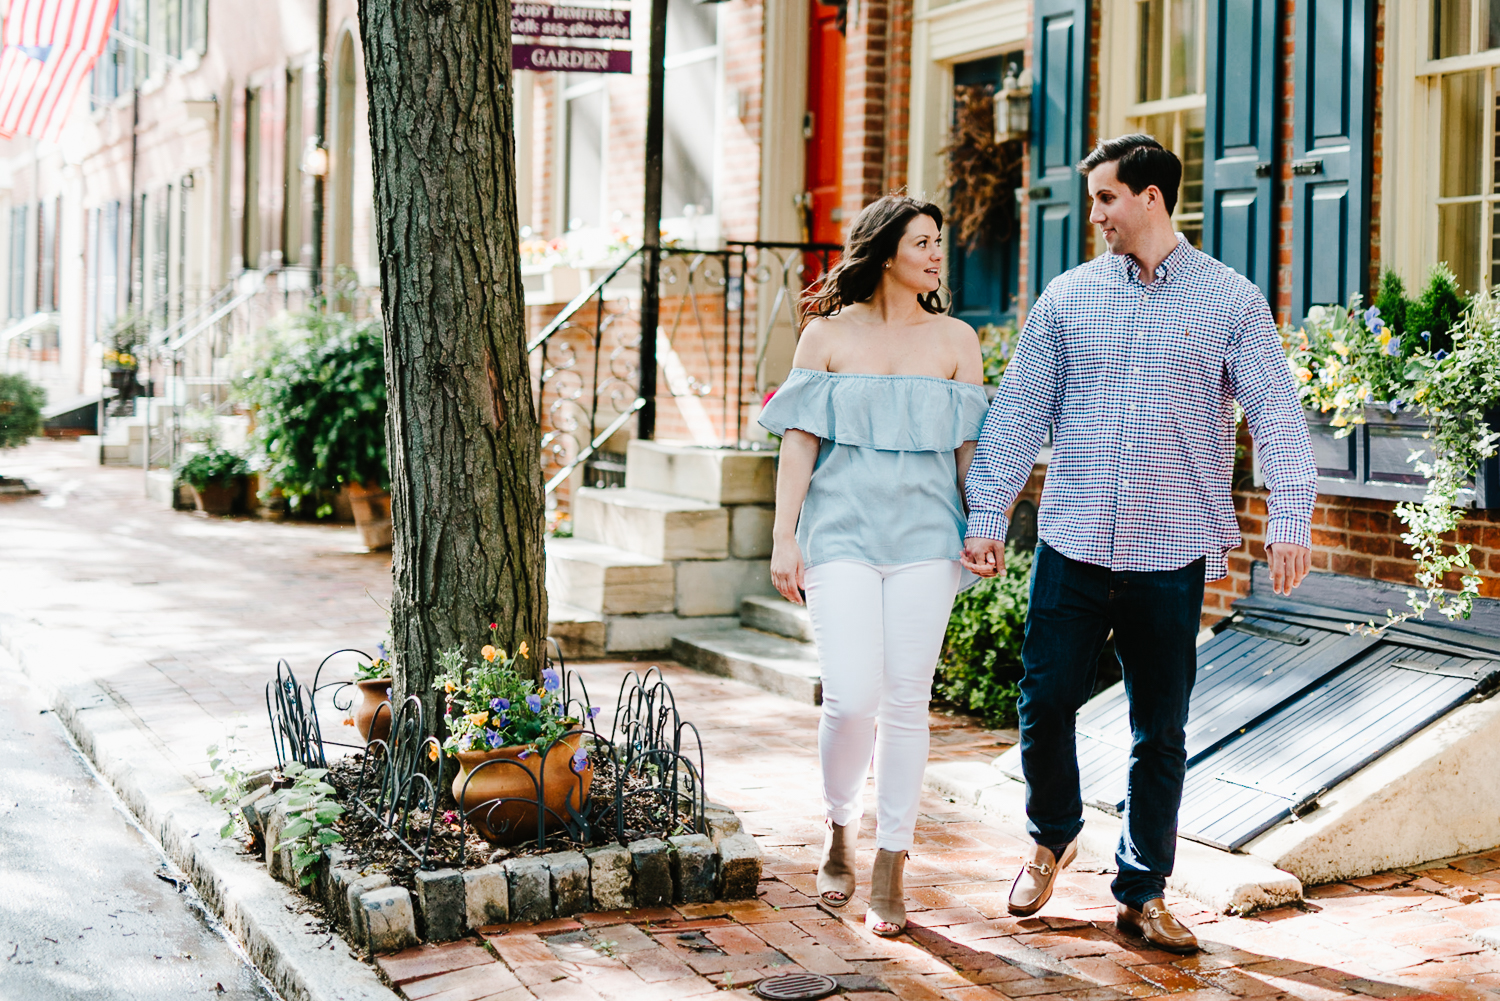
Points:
[49,48]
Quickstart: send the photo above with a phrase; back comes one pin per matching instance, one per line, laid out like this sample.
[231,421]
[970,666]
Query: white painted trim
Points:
[783,151]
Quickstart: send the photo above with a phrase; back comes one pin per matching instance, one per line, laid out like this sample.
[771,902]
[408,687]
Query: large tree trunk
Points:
[466,488]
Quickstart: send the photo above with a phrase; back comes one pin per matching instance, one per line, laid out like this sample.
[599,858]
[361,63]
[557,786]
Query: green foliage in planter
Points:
[319,393]
[21,403]
[215,464]
[1449,372]
[981,660]
[997,345]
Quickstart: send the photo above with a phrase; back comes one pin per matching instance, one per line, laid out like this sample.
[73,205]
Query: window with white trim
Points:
[691,120]
[1165,40]
[1466,191]
[585,104]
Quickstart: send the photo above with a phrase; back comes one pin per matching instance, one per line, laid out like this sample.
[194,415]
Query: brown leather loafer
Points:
[1033,884]
[1154,923]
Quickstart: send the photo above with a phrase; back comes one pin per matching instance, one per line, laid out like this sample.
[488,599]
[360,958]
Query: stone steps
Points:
[775,663]
[652,524]
[777,615]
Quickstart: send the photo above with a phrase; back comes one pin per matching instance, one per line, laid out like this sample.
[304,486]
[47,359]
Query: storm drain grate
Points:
[796,987]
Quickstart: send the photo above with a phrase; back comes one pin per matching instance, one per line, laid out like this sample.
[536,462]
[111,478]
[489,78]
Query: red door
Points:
[823,125]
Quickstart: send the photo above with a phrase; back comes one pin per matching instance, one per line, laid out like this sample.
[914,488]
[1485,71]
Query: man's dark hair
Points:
[1142,162]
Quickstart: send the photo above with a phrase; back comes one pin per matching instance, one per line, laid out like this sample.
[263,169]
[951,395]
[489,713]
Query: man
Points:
[1133,361]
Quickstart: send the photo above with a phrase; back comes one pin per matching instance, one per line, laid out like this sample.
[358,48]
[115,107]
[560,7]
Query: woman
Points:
[878,422]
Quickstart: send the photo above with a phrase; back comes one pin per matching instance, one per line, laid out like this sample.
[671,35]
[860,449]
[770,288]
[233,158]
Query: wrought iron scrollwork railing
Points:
[720,312]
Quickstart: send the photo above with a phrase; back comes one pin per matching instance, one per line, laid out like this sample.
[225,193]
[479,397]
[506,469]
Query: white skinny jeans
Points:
[879,631]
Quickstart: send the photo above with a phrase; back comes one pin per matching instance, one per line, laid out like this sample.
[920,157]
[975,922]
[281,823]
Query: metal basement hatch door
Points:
[1287,703]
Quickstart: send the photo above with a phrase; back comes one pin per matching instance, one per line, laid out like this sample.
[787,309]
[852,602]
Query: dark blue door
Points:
[1333,91]
[1240,175]
[984,279]
[1059,107]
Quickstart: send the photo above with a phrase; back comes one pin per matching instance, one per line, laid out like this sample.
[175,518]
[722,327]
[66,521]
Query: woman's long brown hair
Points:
[873,240]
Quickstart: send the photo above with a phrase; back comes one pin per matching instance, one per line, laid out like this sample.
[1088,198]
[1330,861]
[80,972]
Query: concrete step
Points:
[777,615]
[578,632]
[715,475]
[774,663]
[657,525]
[606,580]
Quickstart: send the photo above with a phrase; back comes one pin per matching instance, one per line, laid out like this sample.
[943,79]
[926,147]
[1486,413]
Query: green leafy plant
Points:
[981,660]
[319,392]
[227,760]
[489,704]
[1449,372]
[311,811]
[214,464]
[997,345]
[21,402]
[379,667]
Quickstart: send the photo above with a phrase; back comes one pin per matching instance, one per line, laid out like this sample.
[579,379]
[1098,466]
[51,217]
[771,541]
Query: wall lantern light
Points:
[315,160]
[1013,106]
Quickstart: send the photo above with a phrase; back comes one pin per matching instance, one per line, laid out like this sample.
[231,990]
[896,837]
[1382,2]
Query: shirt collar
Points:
[1131,268]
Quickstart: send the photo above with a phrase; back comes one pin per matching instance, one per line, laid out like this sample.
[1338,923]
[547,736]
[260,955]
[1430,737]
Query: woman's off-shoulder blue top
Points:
[885,487]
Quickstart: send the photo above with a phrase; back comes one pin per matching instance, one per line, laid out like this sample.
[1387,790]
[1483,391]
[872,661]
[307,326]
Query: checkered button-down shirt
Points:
[1137,384]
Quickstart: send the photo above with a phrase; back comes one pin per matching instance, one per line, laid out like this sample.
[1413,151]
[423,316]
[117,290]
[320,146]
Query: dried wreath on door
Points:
[983,174]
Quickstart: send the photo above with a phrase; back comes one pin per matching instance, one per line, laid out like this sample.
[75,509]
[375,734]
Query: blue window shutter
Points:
[1333,90]
[1059,112]
[1239,175]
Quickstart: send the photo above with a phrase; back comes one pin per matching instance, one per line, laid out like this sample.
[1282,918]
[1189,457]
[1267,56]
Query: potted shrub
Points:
[319,397]
[514,741]
[216,477]
[21,403]
[374,683]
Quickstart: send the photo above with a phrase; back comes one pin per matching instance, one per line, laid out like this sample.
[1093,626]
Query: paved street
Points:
[183,619]
[84,913]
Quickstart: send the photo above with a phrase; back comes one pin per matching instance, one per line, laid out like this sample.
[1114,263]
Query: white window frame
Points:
[577,85]
[1121,112]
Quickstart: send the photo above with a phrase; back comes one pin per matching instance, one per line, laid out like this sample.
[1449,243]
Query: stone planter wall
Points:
[376,916]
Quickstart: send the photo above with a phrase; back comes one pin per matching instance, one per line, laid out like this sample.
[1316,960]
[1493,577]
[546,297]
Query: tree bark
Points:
[466,487]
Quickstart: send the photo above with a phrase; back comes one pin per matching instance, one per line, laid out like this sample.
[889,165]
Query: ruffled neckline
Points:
[903,413]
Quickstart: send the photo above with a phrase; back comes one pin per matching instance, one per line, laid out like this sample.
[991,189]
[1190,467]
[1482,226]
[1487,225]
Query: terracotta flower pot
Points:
[216,497]
[372,514]
[372,697]
[512,822]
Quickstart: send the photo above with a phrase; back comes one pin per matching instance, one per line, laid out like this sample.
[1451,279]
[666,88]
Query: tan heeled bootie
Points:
[836,873]
[887,913]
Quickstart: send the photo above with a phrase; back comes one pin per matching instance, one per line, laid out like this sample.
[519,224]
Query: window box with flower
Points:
[522,764]
[1403,399]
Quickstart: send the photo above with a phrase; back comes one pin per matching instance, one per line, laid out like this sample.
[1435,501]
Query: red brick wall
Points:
[865,106]
[898,96]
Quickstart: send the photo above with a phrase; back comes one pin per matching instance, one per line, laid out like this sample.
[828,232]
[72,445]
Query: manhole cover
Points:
[796,987]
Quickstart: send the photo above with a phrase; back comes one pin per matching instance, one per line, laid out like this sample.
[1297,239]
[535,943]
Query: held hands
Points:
[1289,564]
[984,557]
[786,570]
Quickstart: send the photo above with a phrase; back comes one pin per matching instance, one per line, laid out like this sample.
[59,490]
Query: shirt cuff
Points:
[1293,530]
[987,525]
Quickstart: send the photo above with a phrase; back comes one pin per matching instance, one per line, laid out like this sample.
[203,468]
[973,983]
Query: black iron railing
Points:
[720,310]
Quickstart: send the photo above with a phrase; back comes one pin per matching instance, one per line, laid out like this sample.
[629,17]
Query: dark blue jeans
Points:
[1155,618]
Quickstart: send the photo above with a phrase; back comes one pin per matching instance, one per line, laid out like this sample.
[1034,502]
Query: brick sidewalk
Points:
[184,618]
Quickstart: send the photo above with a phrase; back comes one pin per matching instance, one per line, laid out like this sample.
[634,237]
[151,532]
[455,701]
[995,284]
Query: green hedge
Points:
[981,661]
[21,402]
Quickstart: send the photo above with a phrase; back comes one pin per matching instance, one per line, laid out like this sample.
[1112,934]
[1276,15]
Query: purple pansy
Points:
[580,760]
[1426,335]
[593,711]
[1372,314]
[1394,405]
[551,680]
[525,754]
[1376,326]
[1393,346]
[1439,354]
[499,705]
[534,703]
[491,737]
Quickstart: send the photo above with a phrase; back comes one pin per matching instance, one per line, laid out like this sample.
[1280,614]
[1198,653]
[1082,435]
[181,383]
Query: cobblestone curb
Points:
[687,869]
[164,797]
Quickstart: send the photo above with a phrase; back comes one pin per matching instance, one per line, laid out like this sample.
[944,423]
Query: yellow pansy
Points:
[432,752]
[488,652]
[522,651]
[448,687]
[1341,348]
[1304,375]
[478,719]
[1385,338]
